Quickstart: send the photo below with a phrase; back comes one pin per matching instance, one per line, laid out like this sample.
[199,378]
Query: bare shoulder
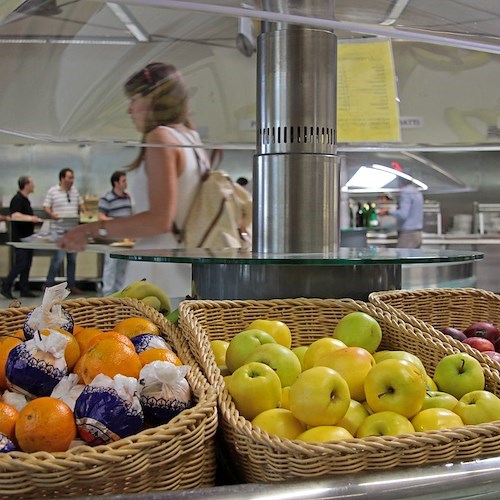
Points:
[161,135]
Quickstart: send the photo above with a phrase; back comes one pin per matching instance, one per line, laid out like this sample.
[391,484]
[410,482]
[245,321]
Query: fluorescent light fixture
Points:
[124,15]
[375,178]
[370,178]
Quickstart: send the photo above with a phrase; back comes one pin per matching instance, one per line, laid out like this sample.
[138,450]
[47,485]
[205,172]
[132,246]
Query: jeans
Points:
[22,265]
[113,275]
[55,264]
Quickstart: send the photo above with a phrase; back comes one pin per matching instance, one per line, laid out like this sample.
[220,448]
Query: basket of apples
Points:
[468,318]
[315,387]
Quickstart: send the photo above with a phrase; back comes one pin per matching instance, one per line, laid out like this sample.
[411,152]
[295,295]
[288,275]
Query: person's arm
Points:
[404,207]
[18,216]
[47,206]
[163,166]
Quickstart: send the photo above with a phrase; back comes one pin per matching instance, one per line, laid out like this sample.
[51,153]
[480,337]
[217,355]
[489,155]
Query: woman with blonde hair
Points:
[163,179]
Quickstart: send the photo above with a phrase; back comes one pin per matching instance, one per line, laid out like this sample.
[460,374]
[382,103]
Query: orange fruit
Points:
[19,334]
[157,354]
[45,424]
[84,336]
[77,329]
[135,326]
[7,343]
[77,369]
[110,335]
[110,357]
[8,419]
[72,350]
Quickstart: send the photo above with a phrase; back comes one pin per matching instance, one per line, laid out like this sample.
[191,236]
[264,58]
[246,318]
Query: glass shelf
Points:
[342,257]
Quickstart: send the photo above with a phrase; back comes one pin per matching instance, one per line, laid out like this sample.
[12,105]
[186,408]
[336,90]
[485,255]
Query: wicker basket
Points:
[260,457]
[432,309]
[179,454]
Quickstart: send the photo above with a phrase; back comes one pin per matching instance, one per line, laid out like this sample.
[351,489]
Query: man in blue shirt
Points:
[409,215]
[115,203]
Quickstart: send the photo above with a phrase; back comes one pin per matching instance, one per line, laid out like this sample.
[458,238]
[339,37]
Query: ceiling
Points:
[64,61]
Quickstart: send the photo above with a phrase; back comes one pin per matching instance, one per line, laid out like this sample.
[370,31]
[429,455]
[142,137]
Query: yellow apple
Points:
[280,422]
[324,433]
[358,329]
[281,359]
[435,419]
[384,423]
[319,396]
[219,348]
[395,385]
[242,344]
[478,407]
[353,363]
[431,385]
[438,399]
[355,415]
[299,352]
[366,406]
[285,397]
[383,355]
[254,388]
[277,329]
[320,348]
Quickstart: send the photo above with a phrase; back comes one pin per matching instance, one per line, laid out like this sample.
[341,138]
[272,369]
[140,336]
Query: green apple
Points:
[395,385]
[299,352]
[478,407]
[281,359]
[439,399]
[324,433]
[458,374]
[277,329]
[384,423]
[319,396]
[382,355]
[242,344]
[358,329]
[219,348]
[355,415]
[254,387]
[320,348]
[353,363]
[435,419]
[280,422]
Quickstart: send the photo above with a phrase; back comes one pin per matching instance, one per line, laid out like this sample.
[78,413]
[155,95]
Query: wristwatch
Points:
[102,231]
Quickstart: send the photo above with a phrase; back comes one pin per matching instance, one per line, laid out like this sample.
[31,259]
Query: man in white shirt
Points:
[63,201]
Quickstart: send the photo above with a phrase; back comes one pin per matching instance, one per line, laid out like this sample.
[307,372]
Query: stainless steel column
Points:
[296,175]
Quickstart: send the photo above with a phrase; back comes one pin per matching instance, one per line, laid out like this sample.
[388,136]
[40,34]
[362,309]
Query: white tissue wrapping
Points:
[50,313]
[68,389]
[18,401]
[165,380]
[49,348]
[127,388]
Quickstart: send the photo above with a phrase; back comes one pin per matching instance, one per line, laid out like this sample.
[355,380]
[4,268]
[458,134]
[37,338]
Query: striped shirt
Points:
[65,204]
[113,205]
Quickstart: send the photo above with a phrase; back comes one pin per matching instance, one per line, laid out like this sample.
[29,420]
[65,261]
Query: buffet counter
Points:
[487,275]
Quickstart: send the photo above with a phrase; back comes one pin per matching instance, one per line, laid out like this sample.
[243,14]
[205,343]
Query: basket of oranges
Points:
[265,430]
[52,447]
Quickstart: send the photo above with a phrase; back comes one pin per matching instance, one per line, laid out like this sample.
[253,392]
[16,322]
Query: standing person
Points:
[63,201]
[409,214]
[115,203]
[22,226]
[165,179]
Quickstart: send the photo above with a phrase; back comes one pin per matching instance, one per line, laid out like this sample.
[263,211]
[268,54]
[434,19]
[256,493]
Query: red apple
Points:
[483,329]
[493,355]
[454,333]
[480,343]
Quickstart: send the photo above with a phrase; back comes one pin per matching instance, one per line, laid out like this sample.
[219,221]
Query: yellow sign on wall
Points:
[367,105]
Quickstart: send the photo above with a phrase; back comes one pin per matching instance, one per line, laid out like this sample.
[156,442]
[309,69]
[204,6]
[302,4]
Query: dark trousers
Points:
[22,265]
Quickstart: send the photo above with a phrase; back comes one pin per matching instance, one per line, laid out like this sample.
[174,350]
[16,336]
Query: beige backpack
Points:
[220,215]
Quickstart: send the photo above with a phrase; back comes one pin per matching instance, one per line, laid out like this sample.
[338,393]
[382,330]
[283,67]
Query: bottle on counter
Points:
[360,216]
[372,216]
